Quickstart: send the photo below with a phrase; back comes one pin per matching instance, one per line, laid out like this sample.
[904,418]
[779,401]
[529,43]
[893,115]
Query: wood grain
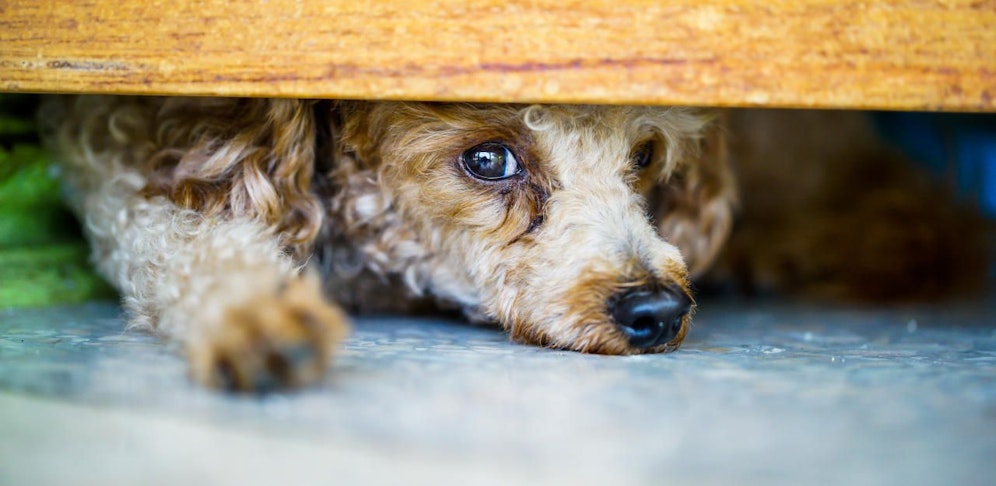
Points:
[913,55]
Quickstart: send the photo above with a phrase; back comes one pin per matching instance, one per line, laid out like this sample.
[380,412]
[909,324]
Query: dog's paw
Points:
[274,341]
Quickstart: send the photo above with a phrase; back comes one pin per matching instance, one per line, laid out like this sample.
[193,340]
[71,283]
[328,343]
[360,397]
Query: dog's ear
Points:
[242,157]
[694,208]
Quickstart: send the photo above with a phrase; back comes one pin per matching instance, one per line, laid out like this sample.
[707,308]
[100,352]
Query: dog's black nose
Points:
[650,317]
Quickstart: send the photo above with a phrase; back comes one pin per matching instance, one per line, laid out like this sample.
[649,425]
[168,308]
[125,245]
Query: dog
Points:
[245,229]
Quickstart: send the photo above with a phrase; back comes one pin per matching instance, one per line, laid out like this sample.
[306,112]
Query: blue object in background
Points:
[958,147]
[982,153]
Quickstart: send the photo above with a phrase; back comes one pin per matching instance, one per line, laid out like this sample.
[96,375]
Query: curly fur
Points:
[203,212]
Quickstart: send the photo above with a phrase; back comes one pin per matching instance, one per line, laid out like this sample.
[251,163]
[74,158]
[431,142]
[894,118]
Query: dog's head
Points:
[574,227]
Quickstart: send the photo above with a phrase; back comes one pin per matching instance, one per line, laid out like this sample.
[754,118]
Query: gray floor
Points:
[761,392]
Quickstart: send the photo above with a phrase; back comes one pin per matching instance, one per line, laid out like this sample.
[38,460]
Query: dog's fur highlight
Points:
[208,215]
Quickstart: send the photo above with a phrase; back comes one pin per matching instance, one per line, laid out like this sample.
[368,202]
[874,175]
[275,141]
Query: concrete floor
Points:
[762,392]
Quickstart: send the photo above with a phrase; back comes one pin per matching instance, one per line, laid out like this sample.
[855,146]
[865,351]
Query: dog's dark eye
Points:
[491,161]
[643,155]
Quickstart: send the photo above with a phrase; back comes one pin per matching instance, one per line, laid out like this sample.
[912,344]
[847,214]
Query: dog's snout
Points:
[650,317]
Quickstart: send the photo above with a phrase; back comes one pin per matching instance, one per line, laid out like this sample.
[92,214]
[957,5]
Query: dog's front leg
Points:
[220,286]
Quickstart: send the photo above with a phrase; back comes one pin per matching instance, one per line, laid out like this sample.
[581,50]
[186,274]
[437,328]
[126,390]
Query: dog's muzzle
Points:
[650,316]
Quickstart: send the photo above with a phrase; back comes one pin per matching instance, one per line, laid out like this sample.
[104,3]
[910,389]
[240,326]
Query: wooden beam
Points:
[912,55]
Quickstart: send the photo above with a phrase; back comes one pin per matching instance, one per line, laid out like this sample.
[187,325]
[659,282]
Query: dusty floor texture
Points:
[762,392]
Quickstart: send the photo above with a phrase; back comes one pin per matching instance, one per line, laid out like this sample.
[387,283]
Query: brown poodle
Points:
[241,228]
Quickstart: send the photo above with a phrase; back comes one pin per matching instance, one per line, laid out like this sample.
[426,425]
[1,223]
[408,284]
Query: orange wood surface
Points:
[913,55]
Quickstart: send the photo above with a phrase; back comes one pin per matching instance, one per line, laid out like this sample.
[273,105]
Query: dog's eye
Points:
[491,161]
[643,155]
